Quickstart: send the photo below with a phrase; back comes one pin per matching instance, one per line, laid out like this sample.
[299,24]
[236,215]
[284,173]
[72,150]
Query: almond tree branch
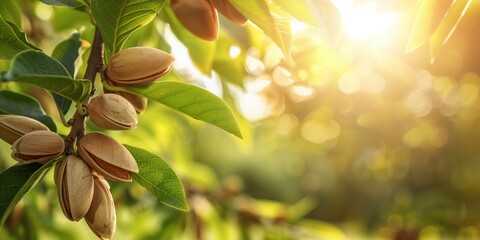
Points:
[94,64]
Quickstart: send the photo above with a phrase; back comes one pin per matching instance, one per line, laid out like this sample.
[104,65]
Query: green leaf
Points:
[74,89]
[447,26]
[259,13]
[35,62]
[10,11]
[201,52]
[19,104]
[117,19]
[16,182]
[159,178]
[21,35]
[191,100]
[37,68]
[147,36]
[429,14]
[10,44]
[65,3]
[66,52]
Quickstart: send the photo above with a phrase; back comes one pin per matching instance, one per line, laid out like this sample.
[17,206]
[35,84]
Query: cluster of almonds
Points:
[200,16]
[82,189]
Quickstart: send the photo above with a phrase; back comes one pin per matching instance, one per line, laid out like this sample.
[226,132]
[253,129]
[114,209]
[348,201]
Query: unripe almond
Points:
[198,16]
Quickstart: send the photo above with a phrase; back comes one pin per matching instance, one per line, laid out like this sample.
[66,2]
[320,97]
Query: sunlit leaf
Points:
[16,182]
[193,101]
[201,52]
[329,18]
[117,19]
[159,178]
[447,26]
[147,36]
[10,44]
[300,10]
[282,22]
[259,13]
[37,68]
[428,16]
[19,104]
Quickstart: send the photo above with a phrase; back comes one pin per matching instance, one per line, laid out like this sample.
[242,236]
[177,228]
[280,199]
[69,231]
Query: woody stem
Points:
[94,64]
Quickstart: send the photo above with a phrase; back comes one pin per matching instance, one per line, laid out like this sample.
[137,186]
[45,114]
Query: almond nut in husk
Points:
[138,66]
[39,146]
[139,102]
[112,112]
[229,11]
[12,127]
[107,157]
[74,182]
[101,216]
[198,16]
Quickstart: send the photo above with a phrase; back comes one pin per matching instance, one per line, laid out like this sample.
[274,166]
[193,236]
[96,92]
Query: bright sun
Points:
[364,21]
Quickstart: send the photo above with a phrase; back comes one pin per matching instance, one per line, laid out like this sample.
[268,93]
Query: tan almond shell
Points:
[107,157]
[101,217]
[229,11]
[198,16]
[113,112]
[74,182]
[39,146]
[138,66]
[139,102]
[12,127]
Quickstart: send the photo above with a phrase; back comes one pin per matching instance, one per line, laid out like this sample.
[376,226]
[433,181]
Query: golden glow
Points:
[364,22]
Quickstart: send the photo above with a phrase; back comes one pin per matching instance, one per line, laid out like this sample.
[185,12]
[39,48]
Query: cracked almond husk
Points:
[113,112]
[138,66]
[12,127]
[226,8]
[107,157]
[101,217]
[38,147]
[74,182]
[198,16]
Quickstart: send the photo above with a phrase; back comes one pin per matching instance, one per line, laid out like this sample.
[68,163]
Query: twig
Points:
[94,64]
